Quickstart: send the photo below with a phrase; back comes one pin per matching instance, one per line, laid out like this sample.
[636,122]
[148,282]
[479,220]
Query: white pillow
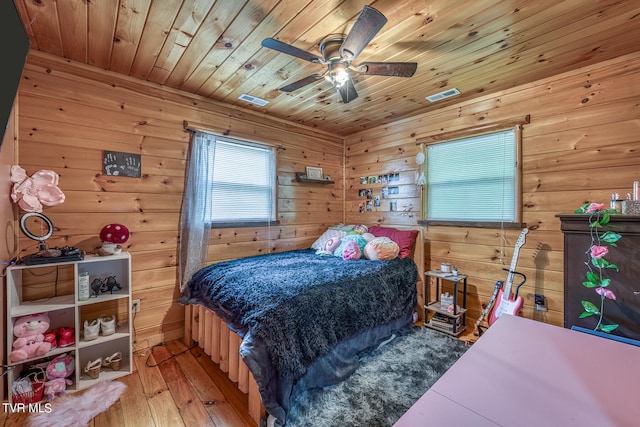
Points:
[329,234]
[368,237]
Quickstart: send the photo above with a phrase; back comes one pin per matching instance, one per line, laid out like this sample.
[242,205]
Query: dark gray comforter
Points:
[294,309]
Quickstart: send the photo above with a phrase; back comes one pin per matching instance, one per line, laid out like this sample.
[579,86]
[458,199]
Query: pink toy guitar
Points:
[505,302]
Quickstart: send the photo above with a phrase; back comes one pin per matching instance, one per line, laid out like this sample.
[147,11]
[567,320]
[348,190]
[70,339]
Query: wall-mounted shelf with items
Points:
[302,177]
[54,289]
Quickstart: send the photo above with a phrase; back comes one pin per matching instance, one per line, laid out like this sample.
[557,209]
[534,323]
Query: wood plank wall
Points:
[71,112]
[582,145]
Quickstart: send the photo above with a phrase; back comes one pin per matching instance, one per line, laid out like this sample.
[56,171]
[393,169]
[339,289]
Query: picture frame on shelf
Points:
[314,173]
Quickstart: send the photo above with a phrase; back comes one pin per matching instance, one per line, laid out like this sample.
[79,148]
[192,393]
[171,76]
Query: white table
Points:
[527,373]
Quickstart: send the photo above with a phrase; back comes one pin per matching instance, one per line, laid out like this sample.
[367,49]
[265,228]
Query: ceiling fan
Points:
[339,51]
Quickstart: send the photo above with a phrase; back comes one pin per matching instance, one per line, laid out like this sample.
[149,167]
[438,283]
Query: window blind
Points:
[473,179]
[243,182]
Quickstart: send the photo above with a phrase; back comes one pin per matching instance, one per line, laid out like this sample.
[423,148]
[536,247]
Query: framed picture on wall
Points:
[121,164]
[314,173]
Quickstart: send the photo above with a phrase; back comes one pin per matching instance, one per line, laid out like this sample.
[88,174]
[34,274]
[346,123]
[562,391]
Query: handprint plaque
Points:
[121,164]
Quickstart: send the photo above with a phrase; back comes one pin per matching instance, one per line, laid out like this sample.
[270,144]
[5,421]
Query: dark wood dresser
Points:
[625,310]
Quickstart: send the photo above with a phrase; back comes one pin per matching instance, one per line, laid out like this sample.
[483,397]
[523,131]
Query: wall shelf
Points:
[302,177]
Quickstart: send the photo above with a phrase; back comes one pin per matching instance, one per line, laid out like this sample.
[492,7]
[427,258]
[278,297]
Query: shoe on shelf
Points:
[107,324]
[51,338]
[93,368]
[112,361]
[91,330]
[66,336]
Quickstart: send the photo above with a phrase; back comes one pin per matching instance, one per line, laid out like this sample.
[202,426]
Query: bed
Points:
[282,323]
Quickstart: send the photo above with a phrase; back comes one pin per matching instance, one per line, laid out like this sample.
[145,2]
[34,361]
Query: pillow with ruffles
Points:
[382,249]
[404,238]
[321,241]
[360,241]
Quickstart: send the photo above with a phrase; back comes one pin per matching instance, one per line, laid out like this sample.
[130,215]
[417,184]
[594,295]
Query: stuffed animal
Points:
[57,372]
[29,332]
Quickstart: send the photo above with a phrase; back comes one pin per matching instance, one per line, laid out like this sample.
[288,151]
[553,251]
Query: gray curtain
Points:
[196,201]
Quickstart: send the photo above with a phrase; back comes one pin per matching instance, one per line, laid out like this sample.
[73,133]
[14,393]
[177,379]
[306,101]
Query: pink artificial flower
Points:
[31,193]
[594,207]
[606,293]
[599,251]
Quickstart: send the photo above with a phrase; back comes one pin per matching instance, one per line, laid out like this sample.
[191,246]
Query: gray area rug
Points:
[388,381]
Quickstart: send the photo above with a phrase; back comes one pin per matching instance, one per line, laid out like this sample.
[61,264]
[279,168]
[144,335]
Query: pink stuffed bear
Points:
[29,332]
[57,372]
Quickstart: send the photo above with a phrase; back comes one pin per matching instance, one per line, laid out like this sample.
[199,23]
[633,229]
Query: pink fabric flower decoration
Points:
[599,251]
[31,193]
[594,207]
[606,293]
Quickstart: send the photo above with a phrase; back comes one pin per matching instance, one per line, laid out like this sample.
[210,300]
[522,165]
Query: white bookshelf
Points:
[53,288]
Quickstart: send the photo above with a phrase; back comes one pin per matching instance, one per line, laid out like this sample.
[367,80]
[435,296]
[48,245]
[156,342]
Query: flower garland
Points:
[596,263]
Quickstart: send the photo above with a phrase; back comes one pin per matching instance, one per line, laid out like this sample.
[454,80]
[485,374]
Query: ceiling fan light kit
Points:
[338,52]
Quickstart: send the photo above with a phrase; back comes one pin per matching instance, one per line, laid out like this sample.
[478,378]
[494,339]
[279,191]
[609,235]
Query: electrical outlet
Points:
[135,305]
[541,303]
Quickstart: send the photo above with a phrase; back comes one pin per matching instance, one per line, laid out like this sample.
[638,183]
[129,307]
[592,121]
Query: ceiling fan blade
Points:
[348,91]
[363,31]
[290,50]
[300,83]
[394,69]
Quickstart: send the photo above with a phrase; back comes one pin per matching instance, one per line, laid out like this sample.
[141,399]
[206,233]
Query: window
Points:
[474,179]
[242,182]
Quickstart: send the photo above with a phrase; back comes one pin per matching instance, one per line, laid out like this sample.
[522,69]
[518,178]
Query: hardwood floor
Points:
[172,386]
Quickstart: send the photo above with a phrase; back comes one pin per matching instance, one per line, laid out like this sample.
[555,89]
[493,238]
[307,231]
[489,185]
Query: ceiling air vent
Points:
[253,100]
[444,94]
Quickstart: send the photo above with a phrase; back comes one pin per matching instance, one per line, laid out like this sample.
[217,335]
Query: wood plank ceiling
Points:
[213,48]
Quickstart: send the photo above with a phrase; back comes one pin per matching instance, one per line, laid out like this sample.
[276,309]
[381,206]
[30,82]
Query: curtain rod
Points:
[190,128]
[444,136]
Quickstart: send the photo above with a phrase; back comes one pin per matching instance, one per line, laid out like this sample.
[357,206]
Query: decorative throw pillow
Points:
[341,227]
[358,239]
[381,248]
[329,234]
[351,251]
[368,237]
[360,228]
[329,247]
[404,238]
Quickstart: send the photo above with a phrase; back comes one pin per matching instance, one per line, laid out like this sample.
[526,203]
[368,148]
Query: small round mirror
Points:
[36,226]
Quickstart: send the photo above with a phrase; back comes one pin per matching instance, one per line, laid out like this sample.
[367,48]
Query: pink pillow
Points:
[404,238]
[351,251]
